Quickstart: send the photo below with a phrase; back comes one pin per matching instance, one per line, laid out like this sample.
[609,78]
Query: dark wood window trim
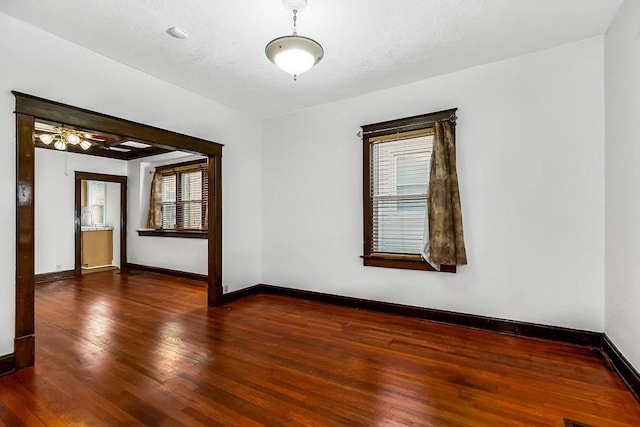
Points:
[29,108]
[185,234]
[405,262]
[392,260]
[197,162]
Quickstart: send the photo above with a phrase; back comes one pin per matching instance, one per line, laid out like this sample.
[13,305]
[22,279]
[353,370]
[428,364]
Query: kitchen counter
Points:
[95,228]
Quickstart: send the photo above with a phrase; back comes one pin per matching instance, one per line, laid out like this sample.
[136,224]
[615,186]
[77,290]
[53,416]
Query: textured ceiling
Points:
[369,44]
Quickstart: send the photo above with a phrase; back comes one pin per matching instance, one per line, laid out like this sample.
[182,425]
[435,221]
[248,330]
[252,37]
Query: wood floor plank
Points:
[143,349]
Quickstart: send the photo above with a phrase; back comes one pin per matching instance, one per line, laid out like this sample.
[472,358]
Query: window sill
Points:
[405,262]
[185,234]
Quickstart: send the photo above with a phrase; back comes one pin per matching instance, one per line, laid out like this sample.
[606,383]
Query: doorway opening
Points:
[100,217]
[143,140]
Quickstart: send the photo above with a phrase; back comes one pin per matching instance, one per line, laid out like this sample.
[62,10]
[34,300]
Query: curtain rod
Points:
[452,118]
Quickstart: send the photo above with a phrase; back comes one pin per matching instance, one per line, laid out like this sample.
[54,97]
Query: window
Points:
[96,202]
[397,156]
[184,197]
[399,180]
[178,201]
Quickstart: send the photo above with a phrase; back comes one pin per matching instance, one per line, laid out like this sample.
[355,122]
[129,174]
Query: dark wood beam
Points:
[69,115]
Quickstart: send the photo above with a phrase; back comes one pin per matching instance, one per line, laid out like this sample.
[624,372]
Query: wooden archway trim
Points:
[28,109]
[61,113]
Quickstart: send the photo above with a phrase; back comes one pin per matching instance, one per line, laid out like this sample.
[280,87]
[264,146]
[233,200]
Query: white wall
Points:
[112,216]
[622,86]
[530,148]
[54,204]
[41,64]
[167,252]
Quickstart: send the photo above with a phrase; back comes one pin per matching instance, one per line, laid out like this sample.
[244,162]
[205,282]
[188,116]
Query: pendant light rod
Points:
[295,19]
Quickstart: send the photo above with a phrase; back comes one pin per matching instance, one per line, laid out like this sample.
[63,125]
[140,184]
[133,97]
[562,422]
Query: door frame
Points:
[90,176]
[28,109]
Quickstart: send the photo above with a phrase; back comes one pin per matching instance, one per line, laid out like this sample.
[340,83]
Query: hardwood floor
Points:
[142,349]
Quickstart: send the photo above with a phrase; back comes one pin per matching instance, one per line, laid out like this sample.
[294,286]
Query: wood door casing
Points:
[28,108]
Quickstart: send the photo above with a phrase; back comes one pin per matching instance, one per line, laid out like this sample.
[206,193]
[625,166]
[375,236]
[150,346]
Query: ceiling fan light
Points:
[85,145]
[72,138]
[46,138]
[60,145]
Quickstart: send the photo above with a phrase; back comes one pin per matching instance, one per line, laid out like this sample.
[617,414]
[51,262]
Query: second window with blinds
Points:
[182,202]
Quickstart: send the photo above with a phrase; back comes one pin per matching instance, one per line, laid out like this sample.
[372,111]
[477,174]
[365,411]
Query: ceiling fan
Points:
[61,137]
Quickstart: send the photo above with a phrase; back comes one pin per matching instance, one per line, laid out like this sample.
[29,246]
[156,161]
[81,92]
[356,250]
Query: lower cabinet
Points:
[97,248]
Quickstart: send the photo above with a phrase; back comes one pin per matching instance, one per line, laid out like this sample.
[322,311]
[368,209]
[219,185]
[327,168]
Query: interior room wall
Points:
[113,216]
[41,64]
[530,144]
[622,156]
[54,204]
[188,255]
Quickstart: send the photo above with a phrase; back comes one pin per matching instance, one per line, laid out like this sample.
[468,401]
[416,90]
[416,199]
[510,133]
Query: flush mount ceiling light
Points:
[294,54]
[61,136]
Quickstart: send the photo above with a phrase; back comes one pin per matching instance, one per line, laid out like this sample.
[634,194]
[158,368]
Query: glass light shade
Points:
[294,54]
[294,61]
[72,138]
[46,138]
[60,145]
[85,145]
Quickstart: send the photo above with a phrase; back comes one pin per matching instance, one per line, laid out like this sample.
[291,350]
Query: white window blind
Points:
[184,194]
[168,202]
[399,168]
[190,208]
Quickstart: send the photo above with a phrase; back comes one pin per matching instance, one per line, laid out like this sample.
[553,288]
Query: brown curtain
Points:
[445,242]
[154,218]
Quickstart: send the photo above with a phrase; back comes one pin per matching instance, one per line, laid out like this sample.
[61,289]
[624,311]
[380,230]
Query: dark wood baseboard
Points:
[596,340]
[7,364]
[503,326]
[242,293]
[621,365]
[168,272]
[53,276]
